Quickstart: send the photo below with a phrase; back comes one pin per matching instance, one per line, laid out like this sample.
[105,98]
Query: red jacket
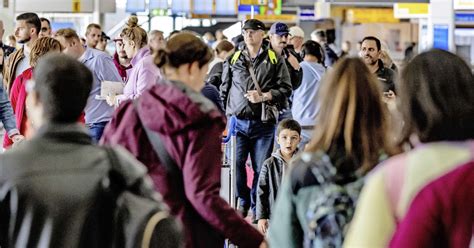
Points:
[442,214]
[191,129]
[18,99]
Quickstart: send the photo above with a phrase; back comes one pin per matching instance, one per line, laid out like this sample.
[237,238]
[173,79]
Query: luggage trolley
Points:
[228,176]
[228,184]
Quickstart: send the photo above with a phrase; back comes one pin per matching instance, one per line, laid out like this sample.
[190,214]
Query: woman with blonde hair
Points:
[18,93]
[351,137]
[144,72]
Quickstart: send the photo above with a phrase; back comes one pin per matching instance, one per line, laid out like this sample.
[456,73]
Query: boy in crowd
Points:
[274,169]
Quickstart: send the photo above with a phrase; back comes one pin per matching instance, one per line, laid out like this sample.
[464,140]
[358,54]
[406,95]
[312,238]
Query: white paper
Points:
[110,88]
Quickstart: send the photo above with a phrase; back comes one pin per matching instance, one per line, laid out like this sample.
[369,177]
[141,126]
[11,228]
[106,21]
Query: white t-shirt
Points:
[23,64]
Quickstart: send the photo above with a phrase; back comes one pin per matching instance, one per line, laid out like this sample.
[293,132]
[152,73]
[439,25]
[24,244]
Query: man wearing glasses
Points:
[242,99]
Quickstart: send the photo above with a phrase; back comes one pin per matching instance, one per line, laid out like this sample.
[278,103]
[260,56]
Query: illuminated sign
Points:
[411,10]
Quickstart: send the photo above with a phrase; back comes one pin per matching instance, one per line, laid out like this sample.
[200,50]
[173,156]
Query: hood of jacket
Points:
[171,106]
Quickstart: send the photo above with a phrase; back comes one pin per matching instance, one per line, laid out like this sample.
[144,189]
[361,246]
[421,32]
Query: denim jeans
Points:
[254,138]
[96,130]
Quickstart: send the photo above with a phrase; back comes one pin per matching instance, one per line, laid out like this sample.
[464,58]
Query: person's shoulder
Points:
[304,167]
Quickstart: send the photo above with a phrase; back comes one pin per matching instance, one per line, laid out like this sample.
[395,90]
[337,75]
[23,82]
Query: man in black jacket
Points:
[58,189]
[242,99]
[278,36]
[370,52]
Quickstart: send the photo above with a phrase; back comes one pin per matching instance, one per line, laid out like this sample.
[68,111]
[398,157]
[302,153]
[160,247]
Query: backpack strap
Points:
[235,57]
[272,56]
[150,227]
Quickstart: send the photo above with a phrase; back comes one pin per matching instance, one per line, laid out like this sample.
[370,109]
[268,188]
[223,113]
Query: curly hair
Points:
[41,47]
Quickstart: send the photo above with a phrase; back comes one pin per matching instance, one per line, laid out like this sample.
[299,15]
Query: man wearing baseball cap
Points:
[279,35]
[242,99]
[296,39]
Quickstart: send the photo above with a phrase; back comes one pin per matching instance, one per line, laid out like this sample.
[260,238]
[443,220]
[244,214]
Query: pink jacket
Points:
[442,214]
[191,128]
[143,75]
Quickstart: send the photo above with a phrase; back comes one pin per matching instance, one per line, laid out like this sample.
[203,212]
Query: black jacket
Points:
[269,182]
[296,76]
[215,75]
[51,191]
[236,81]
[386,77]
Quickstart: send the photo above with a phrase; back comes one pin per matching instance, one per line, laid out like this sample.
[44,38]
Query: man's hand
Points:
[253,96]
[263,225]
[293,61]
[112,100]
[17,139]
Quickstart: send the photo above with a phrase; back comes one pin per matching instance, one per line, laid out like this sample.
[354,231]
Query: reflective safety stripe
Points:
[235,57]
[271,55]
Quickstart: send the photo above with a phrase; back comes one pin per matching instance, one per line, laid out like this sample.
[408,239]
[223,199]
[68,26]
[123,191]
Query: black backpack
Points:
[138,221]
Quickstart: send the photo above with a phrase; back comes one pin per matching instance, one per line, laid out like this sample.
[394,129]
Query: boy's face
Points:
[288,141]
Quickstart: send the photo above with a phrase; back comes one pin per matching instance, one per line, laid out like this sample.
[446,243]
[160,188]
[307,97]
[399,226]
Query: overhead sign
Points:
[253,2]
[76,6]
[203,7]
[181,6]
[226,7]
[274,18]
[370,15]
[411,10]
[463,4]
[464,18]
[134,6]
[158,4]
[441,37]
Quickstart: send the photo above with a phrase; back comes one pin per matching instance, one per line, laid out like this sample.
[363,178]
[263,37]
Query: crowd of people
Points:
[124,150]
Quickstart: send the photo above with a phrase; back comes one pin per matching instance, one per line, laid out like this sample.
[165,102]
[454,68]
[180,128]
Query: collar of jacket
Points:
[204,104]
[70,133]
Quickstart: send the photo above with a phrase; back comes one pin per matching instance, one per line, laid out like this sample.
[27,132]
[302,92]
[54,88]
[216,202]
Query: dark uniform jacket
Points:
[236,81]
[386,77]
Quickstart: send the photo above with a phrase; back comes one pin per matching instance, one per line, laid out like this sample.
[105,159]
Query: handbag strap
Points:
[252,74]
[150,227]
[158,146]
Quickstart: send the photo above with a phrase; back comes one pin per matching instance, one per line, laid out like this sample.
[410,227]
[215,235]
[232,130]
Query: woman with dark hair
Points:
[190,127]
[436,92]
[351,137]
[305,98]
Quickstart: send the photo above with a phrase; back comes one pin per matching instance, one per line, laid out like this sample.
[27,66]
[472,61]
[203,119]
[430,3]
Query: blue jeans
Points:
[96,130]
[254,138]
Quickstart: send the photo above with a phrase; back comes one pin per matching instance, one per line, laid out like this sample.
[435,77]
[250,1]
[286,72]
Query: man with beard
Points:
[121,60]
[278,35]
[27,28]
[370,54]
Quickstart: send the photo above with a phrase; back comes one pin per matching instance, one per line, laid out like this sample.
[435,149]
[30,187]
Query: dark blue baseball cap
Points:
[280,29]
